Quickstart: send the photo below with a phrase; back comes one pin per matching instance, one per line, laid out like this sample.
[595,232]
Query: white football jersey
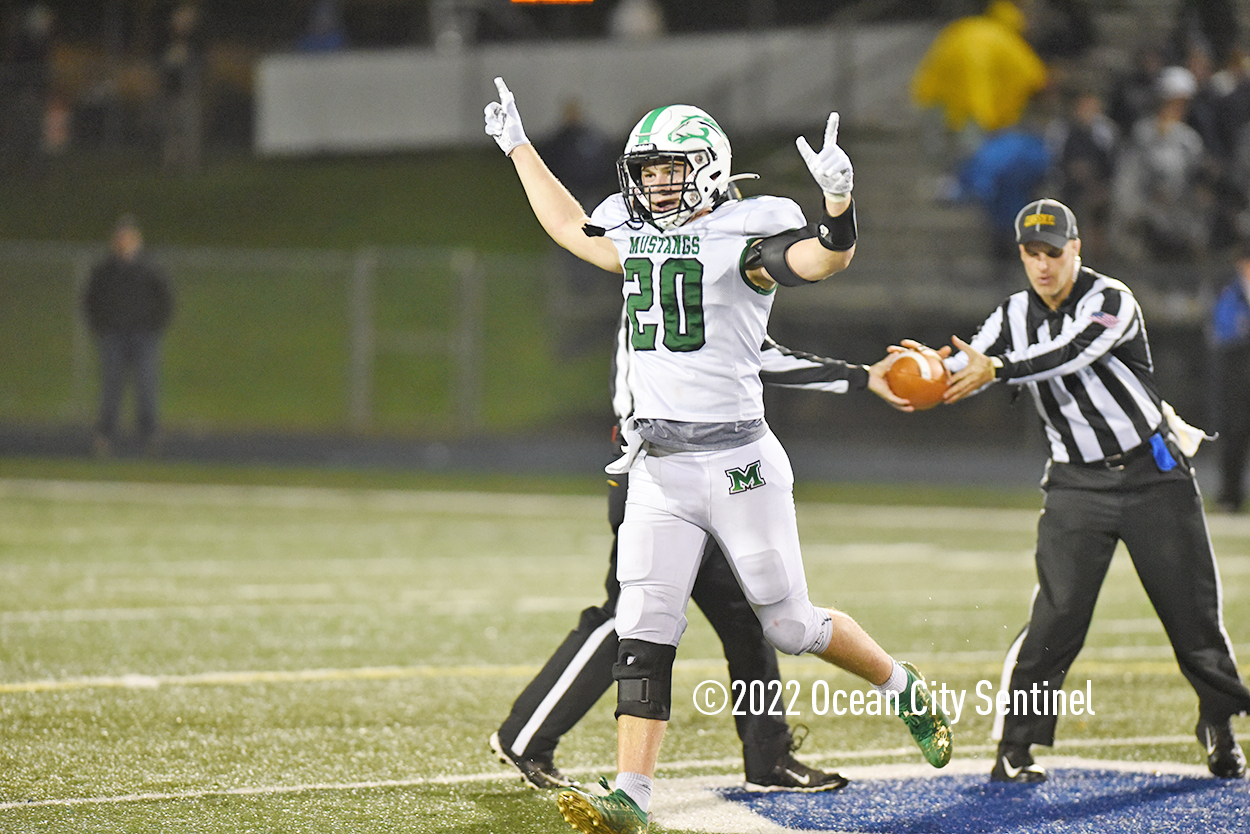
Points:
[696,323]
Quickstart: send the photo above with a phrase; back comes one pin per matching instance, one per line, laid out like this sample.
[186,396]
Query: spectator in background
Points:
[1210,22]
[1065,31]
[1203,113]
[636,20]
[1003,174]
[583,158]
[1134,94]
[981,73]
[128,304]
[1232,82]
[1239,164]
[29,89]
[1162,200]
[1085,146]
[325,31]
[1230,341]
[1218,110]
[181,64]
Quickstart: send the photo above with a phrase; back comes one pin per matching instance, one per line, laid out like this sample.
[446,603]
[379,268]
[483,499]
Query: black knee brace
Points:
[644,679]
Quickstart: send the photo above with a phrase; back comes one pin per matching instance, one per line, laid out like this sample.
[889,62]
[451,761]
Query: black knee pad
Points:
[644,679]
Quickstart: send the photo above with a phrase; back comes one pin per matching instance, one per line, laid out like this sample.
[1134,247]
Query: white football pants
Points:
[744,497]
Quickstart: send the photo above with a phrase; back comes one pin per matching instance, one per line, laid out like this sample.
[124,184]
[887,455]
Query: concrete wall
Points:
[392,100]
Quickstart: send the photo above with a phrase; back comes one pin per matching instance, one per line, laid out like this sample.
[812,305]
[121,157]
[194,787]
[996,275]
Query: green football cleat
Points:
[614,813]
[929,725]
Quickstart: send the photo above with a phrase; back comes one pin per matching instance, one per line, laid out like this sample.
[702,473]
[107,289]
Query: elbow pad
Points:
[770,253]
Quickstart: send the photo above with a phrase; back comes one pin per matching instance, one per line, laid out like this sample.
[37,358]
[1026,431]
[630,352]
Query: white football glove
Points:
[503,122]
[831,168]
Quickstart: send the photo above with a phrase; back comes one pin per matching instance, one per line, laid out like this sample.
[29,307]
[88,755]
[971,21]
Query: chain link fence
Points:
[457,343]
[375,339]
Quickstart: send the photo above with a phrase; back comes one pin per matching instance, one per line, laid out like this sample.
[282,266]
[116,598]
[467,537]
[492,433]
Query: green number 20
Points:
[681,301]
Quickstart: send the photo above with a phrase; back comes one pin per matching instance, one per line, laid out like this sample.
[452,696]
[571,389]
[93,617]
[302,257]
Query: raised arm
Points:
[826,246]
[561,216]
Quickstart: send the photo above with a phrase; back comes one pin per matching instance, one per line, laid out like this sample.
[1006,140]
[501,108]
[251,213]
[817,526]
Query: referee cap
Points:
[1049,221]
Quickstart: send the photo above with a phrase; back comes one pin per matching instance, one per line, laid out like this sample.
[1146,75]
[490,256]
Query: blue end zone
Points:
[1073,800]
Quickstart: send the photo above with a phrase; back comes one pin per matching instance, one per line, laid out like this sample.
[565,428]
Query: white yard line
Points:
[302,498]
[511,504]
[251,678]
[1092,659]
[964,764]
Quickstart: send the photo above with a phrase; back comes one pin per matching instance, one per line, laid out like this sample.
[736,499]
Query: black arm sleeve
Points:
[788,368]
[837,234]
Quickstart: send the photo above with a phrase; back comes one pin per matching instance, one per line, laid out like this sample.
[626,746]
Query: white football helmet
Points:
[677,133]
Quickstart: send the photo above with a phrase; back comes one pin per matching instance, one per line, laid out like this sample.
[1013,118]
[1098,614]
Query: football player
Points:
[700,270]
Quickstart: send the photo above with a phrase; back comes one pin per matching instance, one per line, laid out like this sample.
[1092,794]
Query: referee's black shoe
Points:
[789,774]
[1224,756]
[537,773]
[1014,763]
[794,776]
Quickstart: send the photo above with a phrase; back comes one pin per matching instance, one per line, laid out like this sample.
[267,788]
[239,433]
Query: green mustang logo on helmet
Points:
[704,127]
[694,127]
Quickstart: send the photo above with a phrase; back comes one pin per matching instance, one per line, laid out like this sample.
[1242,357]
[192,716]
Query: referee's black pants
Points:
[1159,517]
[580,670]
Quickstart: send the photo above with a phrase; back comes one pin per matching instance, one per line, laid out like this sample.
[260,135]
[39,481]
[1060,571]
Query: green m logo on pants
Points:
[749,477]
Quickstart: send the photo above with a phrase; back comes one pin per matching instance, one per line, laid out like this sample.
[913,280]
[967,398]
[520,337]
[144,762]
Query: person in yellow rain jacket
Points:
[980,69]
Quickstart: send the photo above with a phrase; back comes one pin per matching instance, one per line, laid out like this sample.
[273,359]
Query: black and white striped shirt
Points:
[1086,364]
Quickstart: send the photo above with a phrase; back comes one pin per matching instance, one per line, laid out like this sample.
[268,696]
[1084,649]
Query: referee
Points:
[1076,341]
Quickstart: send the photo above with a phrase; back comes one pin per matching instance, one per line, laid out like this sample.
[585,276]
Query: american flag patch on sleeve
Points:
[1104,318]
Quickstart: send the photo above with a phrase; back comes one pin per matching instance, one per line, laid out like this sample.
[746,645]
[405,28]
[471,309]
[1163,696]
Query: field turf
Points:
[228,650]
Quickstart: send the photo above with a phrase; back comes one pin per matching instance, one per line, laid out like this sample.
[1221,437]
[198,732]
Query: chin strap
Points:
[591,230]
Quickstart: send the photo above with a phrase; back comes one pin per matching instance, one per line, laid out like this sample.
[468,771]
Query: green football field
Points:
[261,654]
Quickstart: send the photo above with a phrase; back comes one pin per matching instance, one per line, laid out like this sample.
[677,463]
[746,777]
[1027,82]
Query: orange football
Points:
[918,377]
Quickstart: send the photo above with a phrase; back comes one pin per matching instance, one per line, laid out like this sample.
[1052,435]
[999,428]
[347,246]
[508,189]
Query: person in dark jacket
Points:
[1230,341]
[128,305]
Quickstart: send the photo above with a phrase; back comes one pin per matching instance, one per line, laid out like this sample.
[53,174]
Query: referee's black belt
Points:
[1121,459]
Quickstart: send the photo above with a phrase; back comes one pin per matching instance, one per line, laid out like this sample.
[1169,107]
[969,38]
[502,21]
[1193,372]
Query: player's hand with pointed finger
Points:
[503,122]
[831,167]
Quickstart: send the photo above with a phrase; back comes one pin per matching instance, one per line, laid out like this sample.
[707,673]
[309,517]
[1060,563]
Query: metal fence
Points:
[260,334]
[454,342]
